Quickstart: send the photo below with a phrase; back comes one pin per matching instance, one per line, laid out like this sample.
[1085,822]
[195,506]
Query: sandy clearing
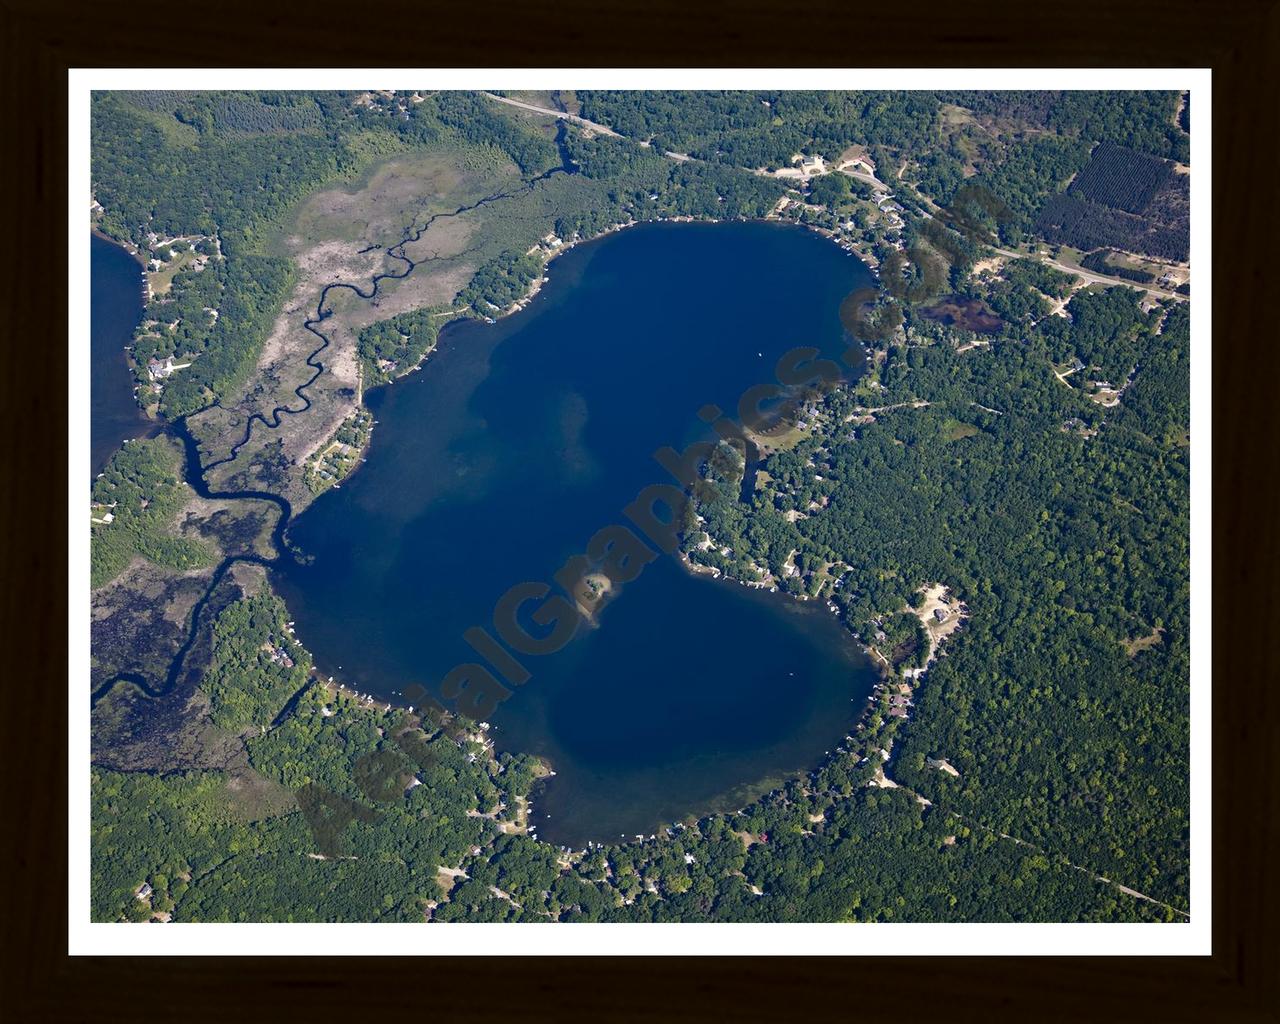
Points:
[937,597]
[991,263]
[1136,646]
[447,878]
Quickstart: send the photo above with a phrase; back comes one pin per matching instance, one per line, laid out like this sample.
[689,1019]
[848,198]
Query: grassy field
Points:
[954,430]
[162,280]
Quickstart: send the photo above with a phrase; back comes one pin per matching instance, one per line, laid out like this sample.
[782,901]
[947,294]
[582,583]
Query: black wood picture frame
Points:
[1239,40]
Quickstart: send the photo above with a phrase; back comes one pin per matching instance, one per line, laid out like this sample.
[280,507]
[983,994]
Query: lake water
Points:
[115,307]
[519,440]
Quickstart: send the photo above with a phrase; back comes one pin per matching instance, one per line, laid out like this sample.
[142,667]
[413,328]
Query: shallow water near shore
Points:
[519,440]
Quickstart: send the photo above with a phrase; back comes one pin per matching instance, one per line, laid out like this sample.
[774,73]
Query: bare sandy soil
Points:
[447,878]
[937,596]
[1136,646]
[992,263]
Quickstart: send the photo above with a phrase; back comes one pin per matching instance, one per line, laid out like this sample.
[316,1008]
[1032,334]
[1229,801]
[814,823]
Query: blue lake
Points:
[513,445]
[115,307]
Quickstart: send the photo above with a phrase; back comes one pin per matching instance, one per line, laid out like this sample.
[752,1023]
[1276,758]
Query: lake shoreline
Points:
[128,247]
[855,680]
[535,286]
[118,301]
[791,773]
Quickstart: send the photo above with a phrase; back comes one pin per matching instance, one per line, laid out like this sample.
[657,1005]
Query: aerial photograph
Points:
[637,506]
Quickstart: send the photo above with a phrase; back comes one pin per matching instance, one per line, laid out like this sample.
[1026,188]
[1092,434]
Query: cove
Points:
[115,307]
[519,440]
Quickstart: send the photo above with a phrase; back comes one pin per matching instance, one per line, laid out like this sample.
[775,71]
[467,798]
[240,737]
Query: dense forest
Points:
[213,318]
[1041,475]
[765,129]
[1062,524]
[256,665]
[1024,147]
[1067,550]
[635,183]
[218,172]
[1143,121]
[390,347]
[1125,200]
[135,502]
[501,282]
[1122,179]
[1066,220]
[349,813]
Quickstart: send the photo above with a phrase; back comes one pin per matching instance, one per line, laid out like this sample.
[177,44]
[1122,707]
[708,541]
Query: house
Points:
[940,614]
[143,891]
[278,655]
[811,165]
[159,370]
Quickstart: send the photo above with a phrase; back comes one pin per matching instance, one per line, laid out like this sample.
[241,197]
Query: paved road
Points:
[1088,276]
[870,179]
[554,113]
[1091,278]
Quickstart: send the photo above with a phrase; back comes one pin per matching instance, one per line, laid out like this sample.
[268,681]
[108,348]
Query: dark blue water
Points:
[520,440]
[115,307]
